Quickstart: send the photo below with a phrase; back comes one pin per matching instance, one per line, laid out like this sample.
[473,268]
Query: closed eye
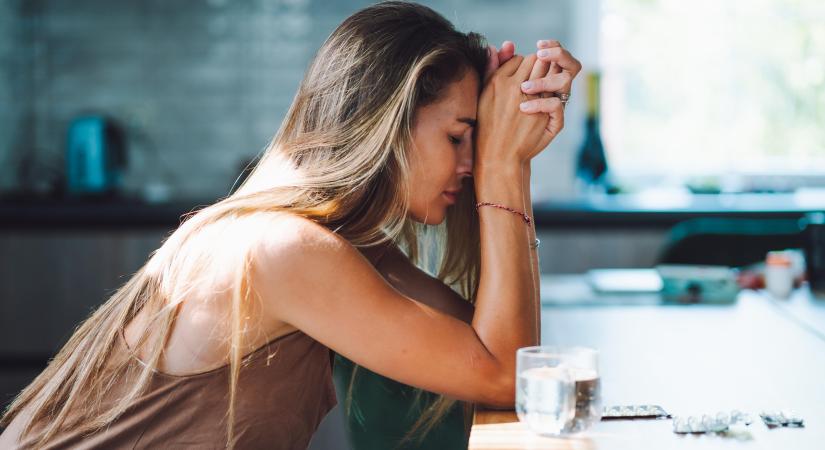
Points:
[454,140]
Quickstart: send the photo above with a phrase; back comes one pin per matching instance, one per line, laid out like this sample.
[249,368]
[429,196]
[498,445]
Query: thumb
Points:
[555,124]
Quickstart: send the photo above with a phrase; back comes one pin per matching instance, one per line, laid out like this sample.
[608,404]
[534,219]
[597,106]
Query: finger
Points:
[511,66]
[554,125]
[559,82]
[555,68]
[508,49]
[556,121]
[542,105]
[562,58]
[525,67]
[541,68]
[555,111]
[547,43]
[492,62]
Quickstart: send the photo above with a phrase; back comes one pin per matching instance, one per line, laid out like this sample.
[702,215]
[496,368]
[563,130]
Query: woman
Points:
[223,338]
[382,413]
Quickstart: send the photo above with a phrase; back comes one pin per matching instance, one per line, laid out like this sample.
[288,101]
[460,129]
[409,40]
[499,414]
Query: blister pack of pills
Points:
[717,423]
[634,412]
[775,419]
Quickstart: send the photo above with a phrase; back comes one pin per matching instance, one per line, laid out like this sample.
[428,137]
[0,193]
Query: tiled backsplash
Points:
[199,85]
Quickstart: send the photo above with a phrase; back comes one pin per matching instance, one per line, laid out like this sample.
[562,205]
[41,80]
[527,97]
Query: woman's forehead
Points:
[458,101]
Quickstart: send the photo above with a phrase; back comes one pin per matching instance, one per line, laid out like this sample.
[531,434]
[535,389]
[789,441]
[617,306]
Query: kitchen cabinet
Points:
[50,280]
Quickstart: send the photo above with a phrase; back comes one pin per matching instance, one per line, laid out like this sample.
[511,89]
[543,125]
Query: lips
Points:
[451,196]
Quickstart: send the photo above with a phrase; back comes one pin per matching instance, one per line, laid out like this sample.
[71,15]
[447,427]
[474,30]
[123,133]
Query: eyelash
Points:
[454,140]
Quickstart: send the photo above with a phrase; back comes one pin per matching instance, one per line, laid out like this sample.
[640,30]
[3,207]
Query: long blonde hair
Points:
[340,158]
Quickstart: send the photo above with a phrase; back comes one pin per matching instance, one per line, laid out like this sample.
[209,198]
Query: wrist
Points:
[503,185]
[508,170]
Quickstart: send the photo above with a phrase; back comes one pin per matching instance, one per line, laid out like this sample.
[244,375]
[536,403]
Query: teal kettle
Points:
[95,156]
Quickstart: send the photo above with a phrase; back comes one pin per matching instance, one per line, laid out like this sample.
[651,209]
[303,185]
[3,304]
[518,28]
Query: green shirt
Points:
[382,411]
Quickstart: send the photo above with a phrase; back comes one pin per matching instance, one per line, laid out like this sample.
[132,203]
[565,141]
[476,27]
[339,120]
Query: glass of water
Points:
[558,389]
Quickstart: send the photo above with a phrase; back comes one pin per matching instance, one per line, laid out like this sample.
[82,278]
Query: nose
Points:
[464,168]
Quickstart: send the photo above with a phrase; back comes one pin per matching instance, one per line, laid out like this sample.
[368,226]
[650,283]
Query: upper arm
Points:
[316,281]
[413,282]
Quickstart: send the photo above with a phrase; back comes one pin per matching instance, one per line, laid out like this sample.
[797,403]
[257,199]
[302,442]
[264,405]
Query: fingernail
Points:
[526,106]
[542,43]
[544,53]
[527,85]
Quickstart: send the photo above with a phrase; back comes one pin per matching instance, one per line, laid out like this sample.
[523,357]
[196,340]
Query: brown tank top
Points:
[285,389]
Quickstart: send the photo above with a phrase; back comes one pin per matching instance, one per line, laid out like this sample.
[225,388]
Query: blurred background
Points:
[116,118]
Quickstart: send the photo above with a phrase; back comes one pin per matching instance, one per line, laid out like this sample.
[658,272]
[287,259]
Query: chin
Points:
[433,218]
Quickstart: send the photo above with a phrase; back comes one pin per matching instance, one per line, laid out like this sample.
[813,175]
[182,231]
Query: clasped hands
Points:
[544,77]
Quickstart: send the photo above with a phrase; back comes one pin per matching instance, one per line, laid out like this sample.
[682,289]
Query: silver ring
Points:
[536,243]
[564,97]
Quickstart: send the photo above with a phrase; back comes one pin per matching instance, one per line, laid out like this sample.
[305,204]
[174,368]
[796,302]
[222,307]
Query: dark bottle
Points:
[591,164]
[814,233]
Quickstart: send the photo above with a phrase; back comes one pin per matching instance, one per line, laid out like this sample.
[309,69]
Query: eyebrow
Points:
[467,120]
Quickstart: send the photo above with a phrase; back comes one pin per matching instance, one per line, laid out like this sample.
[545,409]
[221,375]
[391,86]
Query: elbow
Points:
[506,392]
[500,390]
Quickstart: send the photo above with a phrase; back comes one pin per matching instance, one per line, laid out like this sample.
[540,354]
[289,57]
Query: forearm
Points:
[535,268]
[506,308]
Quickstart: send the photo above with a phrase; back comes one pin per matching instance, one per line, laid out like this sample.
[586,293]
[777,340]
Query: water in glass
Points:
[545,399]
[588,400]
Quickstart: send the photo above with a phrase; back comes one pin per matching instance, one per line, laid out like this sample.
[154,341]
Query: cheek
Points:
[438,173]
[429,177]
[419,185]
[447,168]
[432,167]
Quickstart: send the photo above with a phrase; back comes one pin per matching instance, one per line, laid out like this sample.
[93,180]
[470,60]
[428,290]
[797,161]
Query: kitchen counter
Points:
[690,360]
[94,213]
[609,211]
[662,209]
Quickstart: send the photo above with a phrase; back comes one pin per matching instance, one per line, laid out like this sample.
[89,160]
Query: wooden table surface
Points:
[757,354]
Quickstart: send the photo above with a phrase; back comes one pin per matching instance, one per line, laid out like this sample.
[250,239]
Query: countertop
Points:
[105,213]
[753,355]
[606,211]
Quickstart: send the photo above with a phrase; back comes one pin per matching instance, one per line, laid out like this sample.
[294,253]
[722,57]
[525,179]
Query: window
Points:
[713,88]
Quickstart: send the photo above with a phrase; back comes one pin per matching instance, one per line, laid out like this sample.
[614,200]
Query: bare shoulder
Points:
[298,255]
[291,232]
[293,243]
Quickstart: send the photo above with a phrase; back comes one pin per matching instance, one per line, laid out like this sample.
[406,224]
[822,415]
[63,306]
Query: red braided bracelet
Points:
[523,215]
